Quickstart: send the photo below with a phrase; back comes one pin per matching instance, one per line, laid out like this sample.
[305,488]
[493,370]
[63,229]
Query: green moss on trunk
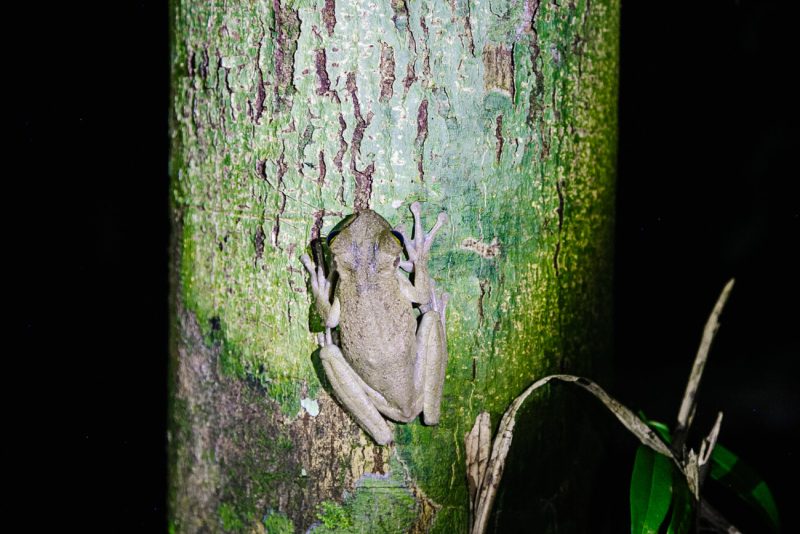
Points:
[288,114]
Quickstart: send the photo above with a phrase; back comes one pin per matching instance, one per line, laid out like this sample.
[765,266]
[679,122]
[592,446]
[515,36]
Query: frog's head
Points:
[365,242]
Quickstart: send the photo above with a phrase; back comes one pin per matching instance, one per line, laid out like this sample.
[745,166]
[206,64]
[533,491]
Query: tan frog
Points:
[390,361]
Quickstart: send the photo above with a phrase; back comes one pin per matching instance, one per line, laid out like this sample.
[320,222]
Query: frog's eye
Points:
[398,236]
[332,236]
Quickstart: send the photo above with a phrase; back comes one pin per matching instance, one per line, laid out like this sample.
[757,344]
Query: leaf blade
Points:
[650,491]
[745,482]
[683,507]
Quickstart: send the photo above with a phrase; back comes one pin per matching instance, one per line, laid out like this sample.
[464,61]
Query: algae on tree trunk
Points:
[288,115]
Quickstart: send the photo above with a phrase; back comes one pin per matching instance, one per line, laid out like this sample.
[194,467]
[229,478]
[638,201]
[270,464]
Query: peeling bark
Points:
[498,64]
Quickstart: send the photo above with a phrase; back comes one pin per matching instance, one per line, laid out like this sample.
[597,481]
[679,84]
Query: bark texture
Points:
[289,114]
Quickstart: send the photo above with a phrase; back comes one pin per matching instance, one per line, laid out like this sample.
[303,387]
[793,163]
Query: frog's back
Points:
[377,323]
[378,337]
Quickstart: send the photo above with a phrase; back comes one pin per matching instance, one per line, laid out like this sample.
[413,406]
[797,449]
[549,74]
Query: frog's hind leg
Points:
[352,392]
[432,351]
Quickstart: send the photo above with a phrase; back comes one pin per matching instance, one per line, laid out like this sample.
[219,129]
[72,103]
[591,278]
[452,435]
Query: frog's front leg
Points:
[321,288]
[418,249]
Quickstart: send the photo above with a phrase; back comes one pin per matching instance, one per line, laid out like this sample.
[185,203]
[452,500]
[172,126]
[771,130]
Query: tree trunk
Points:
[287,115]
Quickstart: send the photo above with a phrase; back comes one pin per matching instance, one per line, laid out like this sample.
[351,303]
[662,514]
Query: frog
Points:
[388,357]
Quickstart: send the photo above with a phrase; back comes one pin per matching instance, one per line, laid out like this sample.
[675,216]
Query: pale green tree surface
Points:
[288,115]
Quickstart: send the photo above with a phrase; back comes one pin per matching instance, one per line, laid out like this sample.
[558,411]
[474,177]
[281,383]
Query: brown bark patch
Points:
[323,81]
[422,135]
[363,178]
[337,159]
[387,72]
[411,77]
[232,445]
[323,169]
[498,68]
[363,186]
[329,16]
[486,250]
[426,56]
[498,133]
[259,242]
[287,28]
[361,123]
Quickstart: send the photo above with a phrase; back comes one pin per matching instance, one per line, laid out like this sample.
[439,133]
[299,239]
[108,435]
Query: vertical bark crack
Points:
[498,133]
[363,186]
[411,77]
[282,168]
[261,91]
[316,229]
[535,107]
[323,169]
[468,33]
[361,123]
[387,72]
[259,242]
[426,55]
[486,289]
[323,81]
[337,159]
[329,16]
[363,178]
[204,64]
[287,30]
[411,69]
[422,135]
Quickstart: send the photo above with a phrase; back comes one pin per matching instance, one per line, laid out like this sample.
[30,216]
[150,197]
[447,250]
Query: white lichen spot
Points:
[311,406]
[397,159]
[396,203]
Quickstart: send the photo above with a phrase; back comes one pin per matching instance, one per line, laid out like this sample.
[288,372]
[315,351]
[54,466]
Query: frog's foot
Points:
[420,245]
[354,394]
[321,289]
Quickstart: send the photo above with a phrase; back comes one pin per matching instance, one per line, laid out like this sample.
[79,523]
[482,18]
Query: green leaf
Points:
[682,506]
[651,490]
[730,471]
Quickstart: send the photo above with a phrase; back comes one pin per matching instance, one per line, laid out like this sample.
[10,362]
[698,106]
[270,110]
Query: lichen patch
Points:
[487,250]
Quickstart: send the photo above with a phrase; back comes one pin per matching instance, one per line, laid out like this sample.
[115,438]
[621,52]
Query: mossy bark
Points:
[287,115]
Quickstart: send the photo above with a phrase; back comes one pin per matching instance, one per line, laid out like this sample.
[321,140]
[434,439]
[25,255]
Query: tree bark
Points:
[287,115]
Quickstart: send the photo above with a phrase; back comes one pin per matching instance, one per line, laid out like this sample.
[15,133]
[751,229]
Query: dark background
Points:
[706,191]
